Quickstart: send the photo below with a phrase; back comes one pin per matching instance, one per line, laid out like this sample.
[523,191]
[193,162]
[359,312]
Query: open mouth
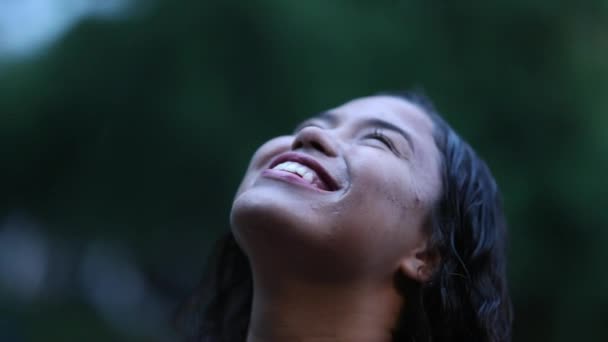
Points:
[308,171]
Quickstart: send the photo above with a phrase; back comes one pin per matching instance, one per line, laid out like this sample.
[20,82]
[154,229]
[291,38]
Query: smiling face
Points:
[347,195]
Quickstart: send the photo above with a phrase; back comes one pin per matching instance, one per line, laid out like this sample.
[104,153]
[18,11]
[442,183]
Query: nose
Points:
[315,138]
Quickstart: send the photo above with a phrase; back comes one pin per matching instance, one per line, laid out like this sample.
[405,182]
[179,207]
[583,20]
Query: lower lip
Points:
[290,178]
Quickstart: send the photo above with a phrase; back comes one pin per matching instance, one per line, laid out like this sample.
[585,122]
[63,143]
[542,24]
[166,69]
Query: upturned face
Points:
[348,193]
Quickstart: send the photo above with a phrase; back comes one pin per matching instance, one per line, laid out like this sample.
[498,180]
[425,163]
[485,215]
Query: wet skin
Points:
[328,215]
[380,153]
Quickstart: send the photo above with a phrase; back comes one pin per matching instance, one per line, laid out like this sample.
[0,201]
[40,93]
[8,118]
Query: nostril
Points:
[317,146]
[314,144]
[297,144]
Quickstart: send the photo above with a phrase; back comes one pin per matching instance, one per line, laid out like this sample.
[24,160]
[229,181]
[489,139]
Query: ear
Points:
[420,264]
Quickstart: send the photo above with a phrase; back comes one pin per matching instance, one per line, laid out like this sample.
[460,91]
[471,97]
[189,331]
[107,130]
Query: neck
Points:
[306,312]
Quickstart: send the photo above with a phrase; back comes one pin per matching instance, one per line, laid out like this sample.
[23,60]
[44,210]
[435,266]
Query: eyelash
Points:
[377,134]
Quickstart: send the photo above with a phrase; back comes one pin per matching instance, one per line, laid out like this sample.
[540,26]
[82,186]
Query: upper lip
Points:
[325,176]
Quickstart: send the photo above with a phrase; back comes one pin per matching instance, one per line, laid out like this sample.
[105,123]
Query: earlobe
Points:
[419,266]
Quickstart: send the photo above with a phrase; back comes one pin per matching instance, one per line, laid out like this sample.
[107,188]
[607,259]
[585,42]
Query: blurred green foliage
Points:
[138,130]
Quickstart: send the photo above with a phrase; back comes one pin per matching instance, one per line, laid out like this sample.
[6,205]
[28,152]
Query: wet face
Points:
[348,193]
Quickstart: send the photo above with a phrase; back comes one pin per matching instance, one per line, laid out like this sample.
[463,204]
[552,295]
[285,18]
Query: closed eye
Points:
[378,135]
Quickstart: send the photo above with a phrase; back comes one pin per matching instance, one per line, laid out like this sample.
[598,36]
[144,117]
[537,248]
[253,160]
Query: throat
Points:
[316,314]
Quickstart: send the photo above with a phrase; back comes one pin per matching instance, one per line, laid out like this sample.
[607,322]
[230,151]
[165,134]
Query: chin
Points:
[256,212]
[253,208]
[267,204]
[268,225]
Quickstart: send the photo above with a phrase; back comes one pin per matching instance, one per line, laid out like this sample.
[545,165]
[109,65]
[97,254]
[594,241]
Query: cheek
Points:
[427,184]
[380,218]
[386,184]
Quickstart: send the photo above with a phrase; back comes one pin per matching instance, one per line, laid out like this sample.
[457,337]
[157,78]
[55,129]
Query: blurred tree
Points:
[138,130]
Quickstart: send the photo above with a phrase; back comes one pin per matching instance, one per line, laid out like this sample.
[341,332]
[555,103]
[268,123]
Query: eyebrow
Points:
[332,120]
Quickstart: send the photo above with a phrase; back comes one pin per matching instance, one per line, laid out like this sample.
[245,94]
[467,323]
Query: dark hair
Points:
[467,298]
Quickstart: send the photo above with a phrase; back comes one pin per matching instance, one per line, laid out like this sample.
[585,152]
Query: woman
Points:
[373,221]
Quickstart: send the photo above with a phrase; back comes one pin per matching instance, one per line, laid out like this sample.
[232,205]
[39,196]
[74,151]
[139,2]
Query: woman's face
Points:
[348,193]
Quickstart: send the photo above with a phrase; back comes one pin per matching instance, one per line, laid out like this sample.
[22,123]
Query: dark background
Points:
[123,139]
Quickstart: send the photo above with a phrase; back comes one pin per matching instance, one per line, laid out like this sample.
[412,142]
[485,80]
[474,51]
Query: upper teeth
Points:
[294,167]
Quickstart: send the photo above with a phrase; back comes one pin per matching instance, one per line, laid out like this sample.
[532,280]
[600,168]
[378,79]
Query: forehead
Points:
[392,109]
